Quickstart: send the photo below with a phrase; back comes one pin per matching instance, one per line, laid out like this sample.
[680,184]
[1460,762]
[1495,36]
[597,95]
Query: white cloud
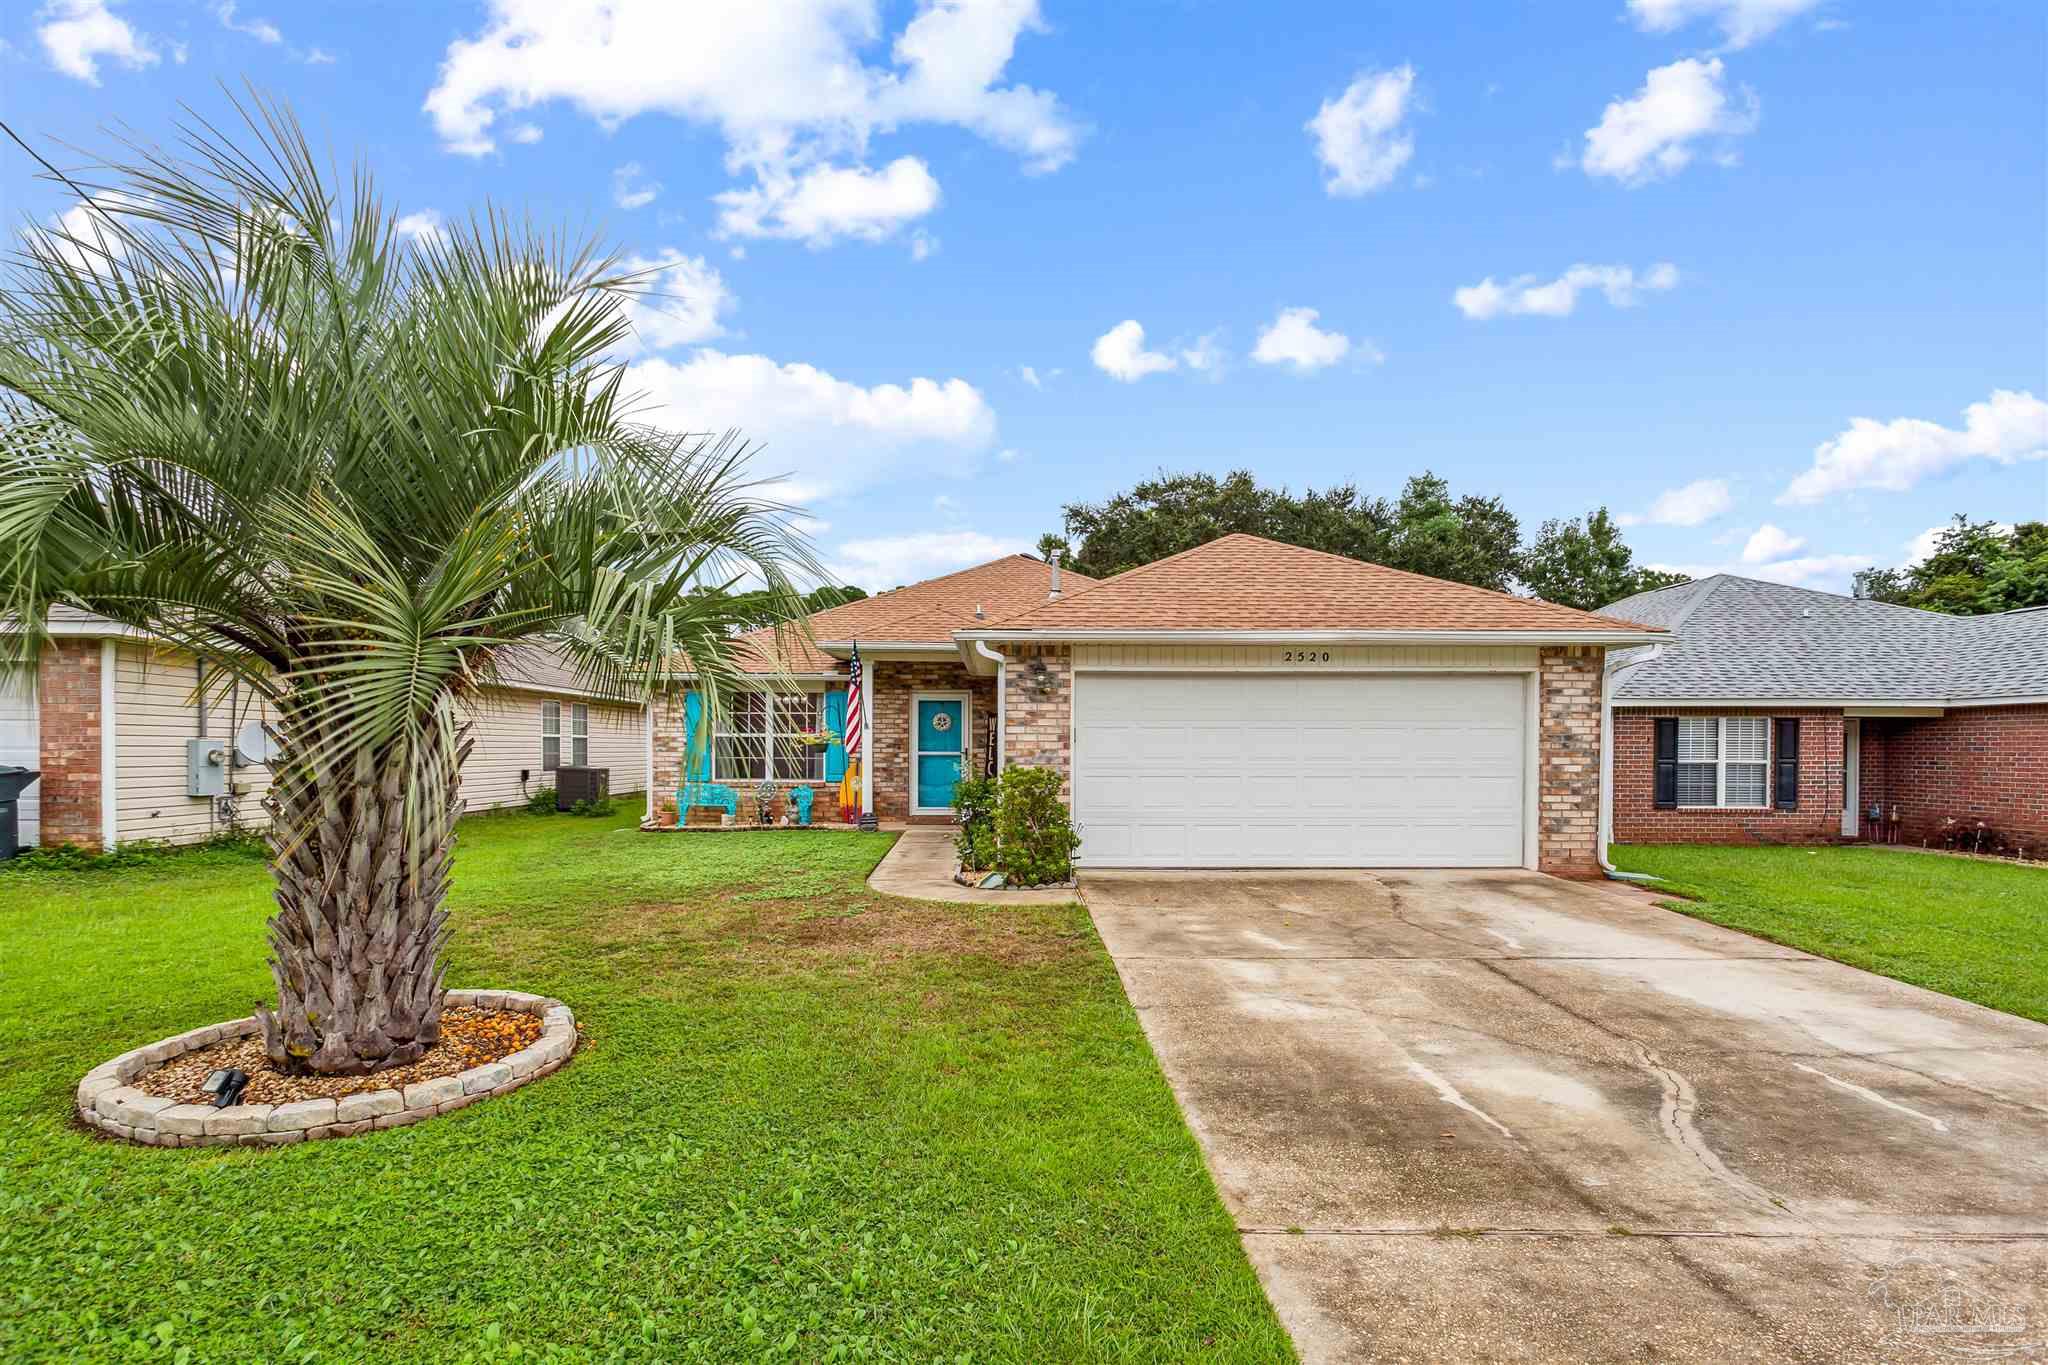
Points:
[1030,376]
[1651,135]
[1699,501]
[319,56]
[76,34]
[824,203]
[426,227]
[631,189]
[1120,353]
[1769,543]
[1007,455]
[789,84]
[922,245]
[83,238]
[1894,456]
[1293,338]
[1742,22]
[1206,356]
[526,134]
[262,30]
[1359,137]
[683,300]
[892,561]
[1556,298]
[826,435]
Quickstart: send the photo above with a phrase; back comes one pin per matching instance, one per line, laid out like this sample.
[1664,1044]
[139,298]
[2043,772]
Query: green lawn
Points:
[807,1122]
[1978,930]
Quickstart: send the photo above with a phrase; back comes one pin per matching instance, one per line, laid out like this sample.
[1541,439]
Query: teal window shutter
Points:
[835,721]
[699,762]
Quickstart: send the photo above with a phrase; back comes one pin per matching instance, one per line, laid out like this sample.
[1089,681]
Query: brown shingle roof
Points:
[1245,582]
[921,613]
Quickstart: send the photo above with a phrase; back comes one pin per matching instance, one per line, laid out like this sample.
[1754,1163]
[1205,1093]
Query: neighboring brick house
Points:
[1786,715]
[1243,704]
[108,717]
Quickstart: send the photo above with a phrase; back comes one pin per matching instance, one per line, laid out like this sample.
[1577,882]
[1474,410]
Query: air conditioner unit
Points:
[581,784]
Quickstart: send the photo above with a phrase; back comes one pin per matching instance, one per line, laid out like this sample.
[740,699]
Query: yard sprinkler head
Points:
[225,1086]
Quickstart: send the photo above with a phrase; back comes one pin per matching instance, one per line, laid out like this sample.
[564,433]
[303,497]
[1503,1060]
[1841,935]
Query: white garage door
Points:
[1287,770]
[18,746]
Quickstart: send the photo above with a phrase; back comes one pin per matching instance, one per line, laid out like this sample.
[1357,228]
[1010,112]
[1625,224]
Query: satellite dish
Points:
[253,744]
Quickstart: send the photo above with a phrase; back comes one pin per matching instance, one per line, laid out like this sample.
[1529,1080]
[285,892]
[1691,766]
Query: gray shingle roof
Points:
[1743,638]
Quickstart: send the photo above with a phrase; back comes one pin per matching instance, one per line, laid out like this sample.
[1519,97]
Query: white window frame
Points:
[1722,761]
[814,757]
[579,735]
[550,729]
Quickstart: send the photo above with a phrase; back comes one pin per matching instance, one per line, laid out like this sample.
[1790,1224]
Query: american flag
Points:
[853,716]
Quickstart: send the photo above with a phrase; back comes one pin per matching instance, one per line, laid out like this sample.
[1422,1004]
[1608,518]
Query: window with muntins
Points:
[1724,761]
[550,736]
[756,739]
[579,735]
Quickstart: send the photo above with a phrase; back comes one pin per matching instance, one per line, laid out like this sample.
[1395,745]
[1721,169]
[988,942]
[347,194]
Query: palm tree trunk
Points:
[356,941]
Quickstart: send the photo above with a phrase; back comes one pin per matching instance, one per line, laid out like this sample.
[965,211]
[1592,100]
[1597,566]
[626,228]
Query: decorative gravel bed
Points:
[492,1042]
[470,1037]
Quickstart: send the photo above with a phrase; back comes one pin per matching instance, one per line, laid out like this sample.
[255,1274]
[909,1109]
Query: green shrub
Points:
[604,805]
[542,802]
[974,806]
[1035,839]
[136,853]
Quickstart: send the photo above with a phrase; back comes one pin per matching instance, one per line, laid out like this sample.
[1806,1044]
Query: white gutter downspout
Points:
[1605,835]
[1002,699]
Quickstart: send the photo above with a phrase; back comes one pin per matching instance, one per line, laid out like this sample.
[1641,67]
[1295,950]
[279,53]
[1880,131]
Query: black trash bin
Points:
[13,782]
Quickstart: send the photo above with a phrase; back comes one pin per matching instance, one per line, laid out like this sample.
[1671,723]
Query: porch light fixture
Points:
[1042,679]
[225,1086]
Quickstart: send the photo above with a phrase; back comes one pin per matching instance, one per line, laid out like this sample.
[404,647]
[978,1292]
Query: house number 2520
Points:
[1304,656]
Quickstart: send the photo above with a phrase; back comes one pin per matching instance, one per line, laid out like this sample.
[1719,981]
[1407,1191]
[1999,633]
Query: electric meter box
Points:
[206,767]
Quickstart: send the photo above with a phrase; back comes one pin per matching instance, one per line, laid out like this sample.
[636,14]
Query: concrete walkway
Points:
[1497,1116]
[921,867]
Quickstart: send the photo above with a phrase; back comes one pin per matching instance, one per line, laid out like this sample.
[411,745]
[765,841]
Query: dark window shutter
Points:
[1786,761]
[1667,763]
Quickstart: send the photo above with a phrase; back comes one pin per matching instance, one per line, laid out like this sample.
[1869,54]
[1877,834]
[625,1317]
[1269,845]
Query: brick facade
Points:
[1818,817]
[1039,731]
[1568,760]
[68,688]
[893,687]
[1988,763]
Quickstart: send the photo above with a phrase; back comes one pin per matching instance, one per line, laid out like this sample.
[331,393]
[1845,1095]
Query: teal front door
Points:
[941,741]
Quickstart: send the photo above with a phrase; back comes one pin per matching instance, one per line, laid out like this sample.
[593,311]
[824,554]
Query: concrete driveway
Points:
[1464,1116]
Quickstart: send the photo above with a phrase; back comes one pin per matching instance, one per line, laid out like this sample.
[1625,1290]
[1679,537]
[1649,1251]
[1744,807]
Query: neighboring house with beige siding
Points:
[109,716]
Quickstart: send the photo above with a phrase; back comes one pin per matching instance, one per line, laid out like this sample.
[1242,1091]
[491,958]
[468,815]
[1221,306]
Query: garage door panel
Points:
[1246,770]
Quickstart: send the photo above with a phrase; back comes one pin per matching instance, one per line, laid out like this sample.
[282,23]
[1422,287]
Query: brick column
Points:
[68,692]
[1039,731]
[1568,760]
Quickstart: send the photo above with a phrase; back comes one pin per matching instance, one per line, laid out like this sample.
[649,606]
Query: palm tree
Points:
[354,470]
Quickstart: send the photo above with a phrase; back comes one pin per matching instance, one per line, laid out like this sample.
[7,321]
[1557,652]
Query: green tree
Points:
[1470,540]
[1050,544]
[1975,568]
[1586,564]
[763,608]
[242,415]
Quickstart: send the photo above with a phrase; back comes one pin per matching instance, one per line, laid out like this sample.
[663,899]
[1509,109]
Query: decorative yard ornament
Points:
[764,800]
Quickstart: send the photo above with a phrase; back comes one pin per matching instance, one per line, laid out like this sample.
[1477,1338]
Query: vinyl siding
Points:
[21,744]
[1228,656]
[154,714]
[508,741]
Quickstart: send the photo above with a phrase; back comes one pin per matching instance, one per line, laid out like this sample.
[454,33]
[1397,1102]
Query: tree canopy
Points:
[1428,530]
[1977,567]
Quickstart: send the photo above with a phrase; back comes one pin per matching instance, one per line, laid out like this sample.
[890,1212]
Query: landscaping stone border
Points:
[107,1102]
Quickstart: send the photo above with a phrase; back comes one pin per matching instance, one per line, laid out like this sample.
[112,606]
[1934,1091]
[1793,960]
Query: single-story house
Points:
[1779,714]
[109,715]
[1242,704]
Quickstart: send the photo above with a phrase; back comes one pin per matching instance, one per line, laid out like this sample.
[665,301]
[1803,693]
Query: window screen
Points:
[579,735]
[550,736]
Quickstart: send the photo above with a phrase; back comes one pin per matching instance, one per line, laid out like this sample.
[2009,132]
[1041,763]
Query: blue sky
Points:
[1767,277]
